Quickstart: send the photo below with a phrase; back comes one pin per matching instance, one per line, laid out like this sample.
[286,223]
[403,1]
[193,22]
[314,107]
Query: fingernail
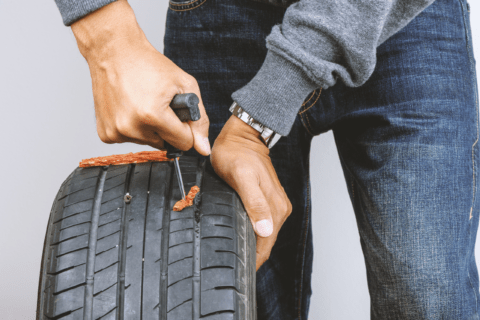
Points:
[206,145]
[264,228]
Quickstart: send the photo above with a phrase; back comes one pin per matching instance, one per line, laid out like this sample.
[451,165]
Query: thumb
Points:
[256,206]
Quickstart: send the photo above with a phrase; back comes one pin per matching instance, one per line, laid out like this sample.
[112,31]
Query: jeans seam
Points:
[171,4]
[305,126]
[313,103]
[304,108]
[308,121]
[304,245]
[467,36]
[472,67]
[313,94]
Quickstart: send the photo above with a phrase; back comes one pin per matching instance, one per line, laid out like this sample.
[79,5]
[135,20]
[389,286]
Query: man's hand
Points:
[133,84]
[241,159]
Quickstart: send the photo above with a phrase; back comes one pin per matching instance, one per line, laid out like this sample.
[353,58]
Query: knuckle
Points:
[257,206]
[145,116]
[112,135]
[287,208]
[103,135]
[123,129]
[190,81]
[204,122]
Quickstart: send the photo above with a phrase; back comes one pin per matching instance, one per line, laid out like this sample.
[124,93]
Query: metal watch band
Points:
[269,136]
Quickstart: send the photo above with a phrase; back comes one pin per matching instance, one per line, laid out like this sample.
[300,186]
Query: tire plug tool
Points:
[185,106]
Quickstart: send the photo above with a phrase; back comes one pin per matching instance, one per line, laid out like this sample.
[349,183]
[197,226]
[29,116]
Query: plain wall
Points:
[48,125]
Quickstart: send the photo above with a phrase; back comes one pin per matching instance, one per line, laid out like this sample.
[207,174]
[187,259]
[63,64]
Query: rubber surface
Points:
[108,259]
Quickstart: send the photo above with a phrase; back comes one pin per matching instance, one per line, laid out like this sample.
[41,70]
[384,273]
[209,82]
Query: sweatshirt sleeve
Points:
[73,10]
[318,42]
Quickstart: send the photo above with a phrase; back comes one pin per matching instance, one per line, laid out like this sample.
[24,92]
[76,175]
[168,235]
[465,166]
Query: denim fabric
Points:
[407,141]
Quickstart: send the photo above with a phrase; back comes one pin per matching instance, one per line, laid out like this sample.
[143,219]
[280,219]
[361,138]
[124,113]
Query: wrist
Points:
[245,130]
[267,135]
[98,31]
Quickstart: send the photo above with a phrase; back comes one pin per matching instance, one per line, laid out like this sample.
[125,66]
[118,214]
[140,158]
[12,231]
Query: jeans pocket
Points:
[182,5]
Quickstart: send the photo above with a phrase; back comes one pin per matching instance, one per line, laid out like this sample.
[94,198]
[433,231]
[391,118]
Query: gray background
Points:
[48,125]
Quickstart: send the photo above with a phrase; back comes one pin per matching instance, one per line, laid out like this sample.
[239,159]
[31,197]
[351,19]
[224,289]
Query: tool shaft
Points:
[185,106]
[179,178]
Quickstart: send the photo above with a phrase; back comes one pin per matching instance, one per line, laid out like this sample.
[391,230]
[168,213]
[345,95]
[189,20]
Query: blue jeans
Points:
[407,141]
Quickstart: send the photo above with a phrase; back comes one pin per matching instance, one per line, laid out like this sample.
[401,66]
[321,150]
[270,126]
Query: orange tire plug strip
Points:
[182,204]
[140,157]
[116,159]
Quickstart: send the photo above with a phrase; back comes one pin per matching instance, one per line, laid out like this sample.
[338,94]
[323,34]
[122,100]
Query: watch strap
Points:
[269,136]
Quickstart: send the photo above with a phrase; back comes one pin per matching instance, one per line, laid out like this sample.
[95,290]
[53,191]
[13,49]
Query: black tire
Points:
[105,258]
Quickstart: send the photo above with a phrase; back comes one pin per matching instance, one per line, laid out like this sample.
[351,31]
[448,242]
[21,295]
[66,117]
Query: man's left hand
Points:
[240,157]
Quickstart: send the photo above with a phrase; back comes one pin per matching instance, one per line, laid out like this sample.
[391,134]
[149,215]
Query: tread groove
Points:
[74,225]
[171,284]
[216,312]
[79,249]
[69,216]
[217,237]
[62,315]
[179,244]
[92,245]
[116,198]
[99,253]
[181,230]
[120,299]
[64,270]
[110,211]
[101,225]
[197,248]
[73,237]
[165,239]
[106,314]
[223,225]
[108,235]
[100,270]
[230,251]
[144,237]
[179,260]
[99,292]
[218,267]
[68,289]
[179,305]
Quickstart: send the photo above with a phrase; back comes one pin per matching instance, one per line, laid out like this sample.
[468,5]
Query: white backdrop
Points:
[47,126]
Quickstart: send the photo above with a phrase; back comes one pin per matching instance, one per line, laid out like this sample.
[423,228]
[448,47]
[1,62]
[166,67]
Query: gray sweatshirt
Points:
[317,42]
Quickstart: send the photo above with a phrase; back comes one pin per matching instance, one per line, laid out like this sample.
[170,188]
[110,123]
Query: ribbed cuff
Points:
[276,93]
[73,10]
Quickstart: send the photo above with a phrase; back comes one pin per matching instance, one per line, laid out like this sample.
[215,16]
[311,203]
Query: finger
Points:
[177,133]
[146,137]
[264,249]
[119,138]
[255,203]
[168,126]
[265,245]
[201,126]
[283,206]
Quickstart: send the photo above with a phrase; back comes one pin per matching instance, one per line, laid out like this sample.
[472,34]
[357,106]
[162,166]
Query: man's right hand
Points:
[133,84]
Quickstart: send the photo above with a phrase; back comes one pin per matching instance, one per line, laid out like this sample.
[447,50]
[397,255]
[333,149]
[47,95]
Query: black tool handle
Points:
[185,106]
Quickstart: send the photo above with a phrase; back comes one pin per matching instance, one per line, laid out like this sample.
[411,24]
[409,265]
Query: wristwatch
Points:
[269,136]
